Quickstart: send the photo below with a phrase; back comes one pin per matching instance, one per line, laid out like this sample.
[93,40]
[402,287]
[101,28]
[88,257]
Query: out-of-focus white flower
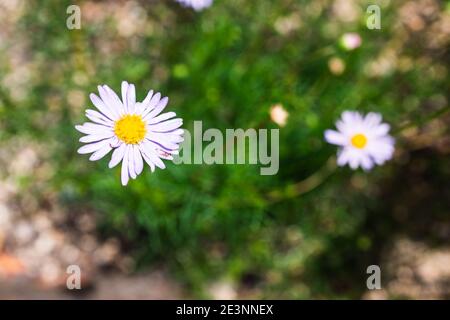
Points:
[197,5]
[336,66]
[135,130]
[223,290]
[346,10]
[287,24]
[364,141]
[279,115]
[350,41]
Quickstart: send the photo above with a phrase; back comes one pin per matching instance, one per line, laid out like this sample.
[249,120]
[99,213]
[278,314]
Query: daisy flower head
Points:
[197,5]
[136,131]
[363,140]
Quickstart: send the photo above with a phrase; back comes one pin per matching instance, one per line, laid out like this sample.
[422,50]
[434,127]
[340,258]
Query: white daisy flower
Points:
[135,130]
[364,141]
[197,5]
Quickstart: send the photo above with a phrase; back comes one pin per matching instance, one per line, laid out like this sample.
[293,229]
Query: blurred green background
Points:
[217,226]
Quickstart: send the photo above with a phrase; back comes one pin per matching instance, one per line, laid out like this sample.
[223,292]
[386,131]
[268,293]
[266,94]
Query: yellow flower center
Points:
[130,129]
[359,141]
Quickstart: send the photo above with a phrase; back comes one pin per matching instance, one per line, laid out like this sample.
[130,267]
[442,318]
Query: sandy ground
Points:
[39,240]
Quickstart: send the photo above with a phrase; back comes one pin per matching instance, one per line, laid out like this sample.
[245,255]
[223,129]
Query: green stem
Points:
[432,116]
[317,178]
[307,185]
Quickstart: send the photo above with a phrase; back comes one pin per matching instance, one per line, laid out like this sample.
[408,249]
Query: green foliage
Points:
[227,66]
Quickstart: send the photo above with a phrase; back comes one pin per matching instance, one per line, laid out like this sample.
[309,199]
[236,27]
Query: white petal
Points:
[154,101]
[366,163]
[152,104]
[112,108]
[101,106]
[353,163]
[334,137]
[131,171]
[138,162]
[124,172]
[160,140]
[89,148]
[351,156]
[157,160]
[100,153]
[351,117]
[125,95]
[179,132]
[131,98]
[372,119]
[146,101]
[96,137]
[147,159]
[115,142]
[160,107]
[162,117]
[164,155]
[381,150]
[174,138]
[381,130]
[117,155]
[84,129]
[94,127]
[344,128]
[167,126]
[356,157]
[343,157]
[115,100]
[150,152]
[99,118]
[90,128]
[138,108]
[168,140]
